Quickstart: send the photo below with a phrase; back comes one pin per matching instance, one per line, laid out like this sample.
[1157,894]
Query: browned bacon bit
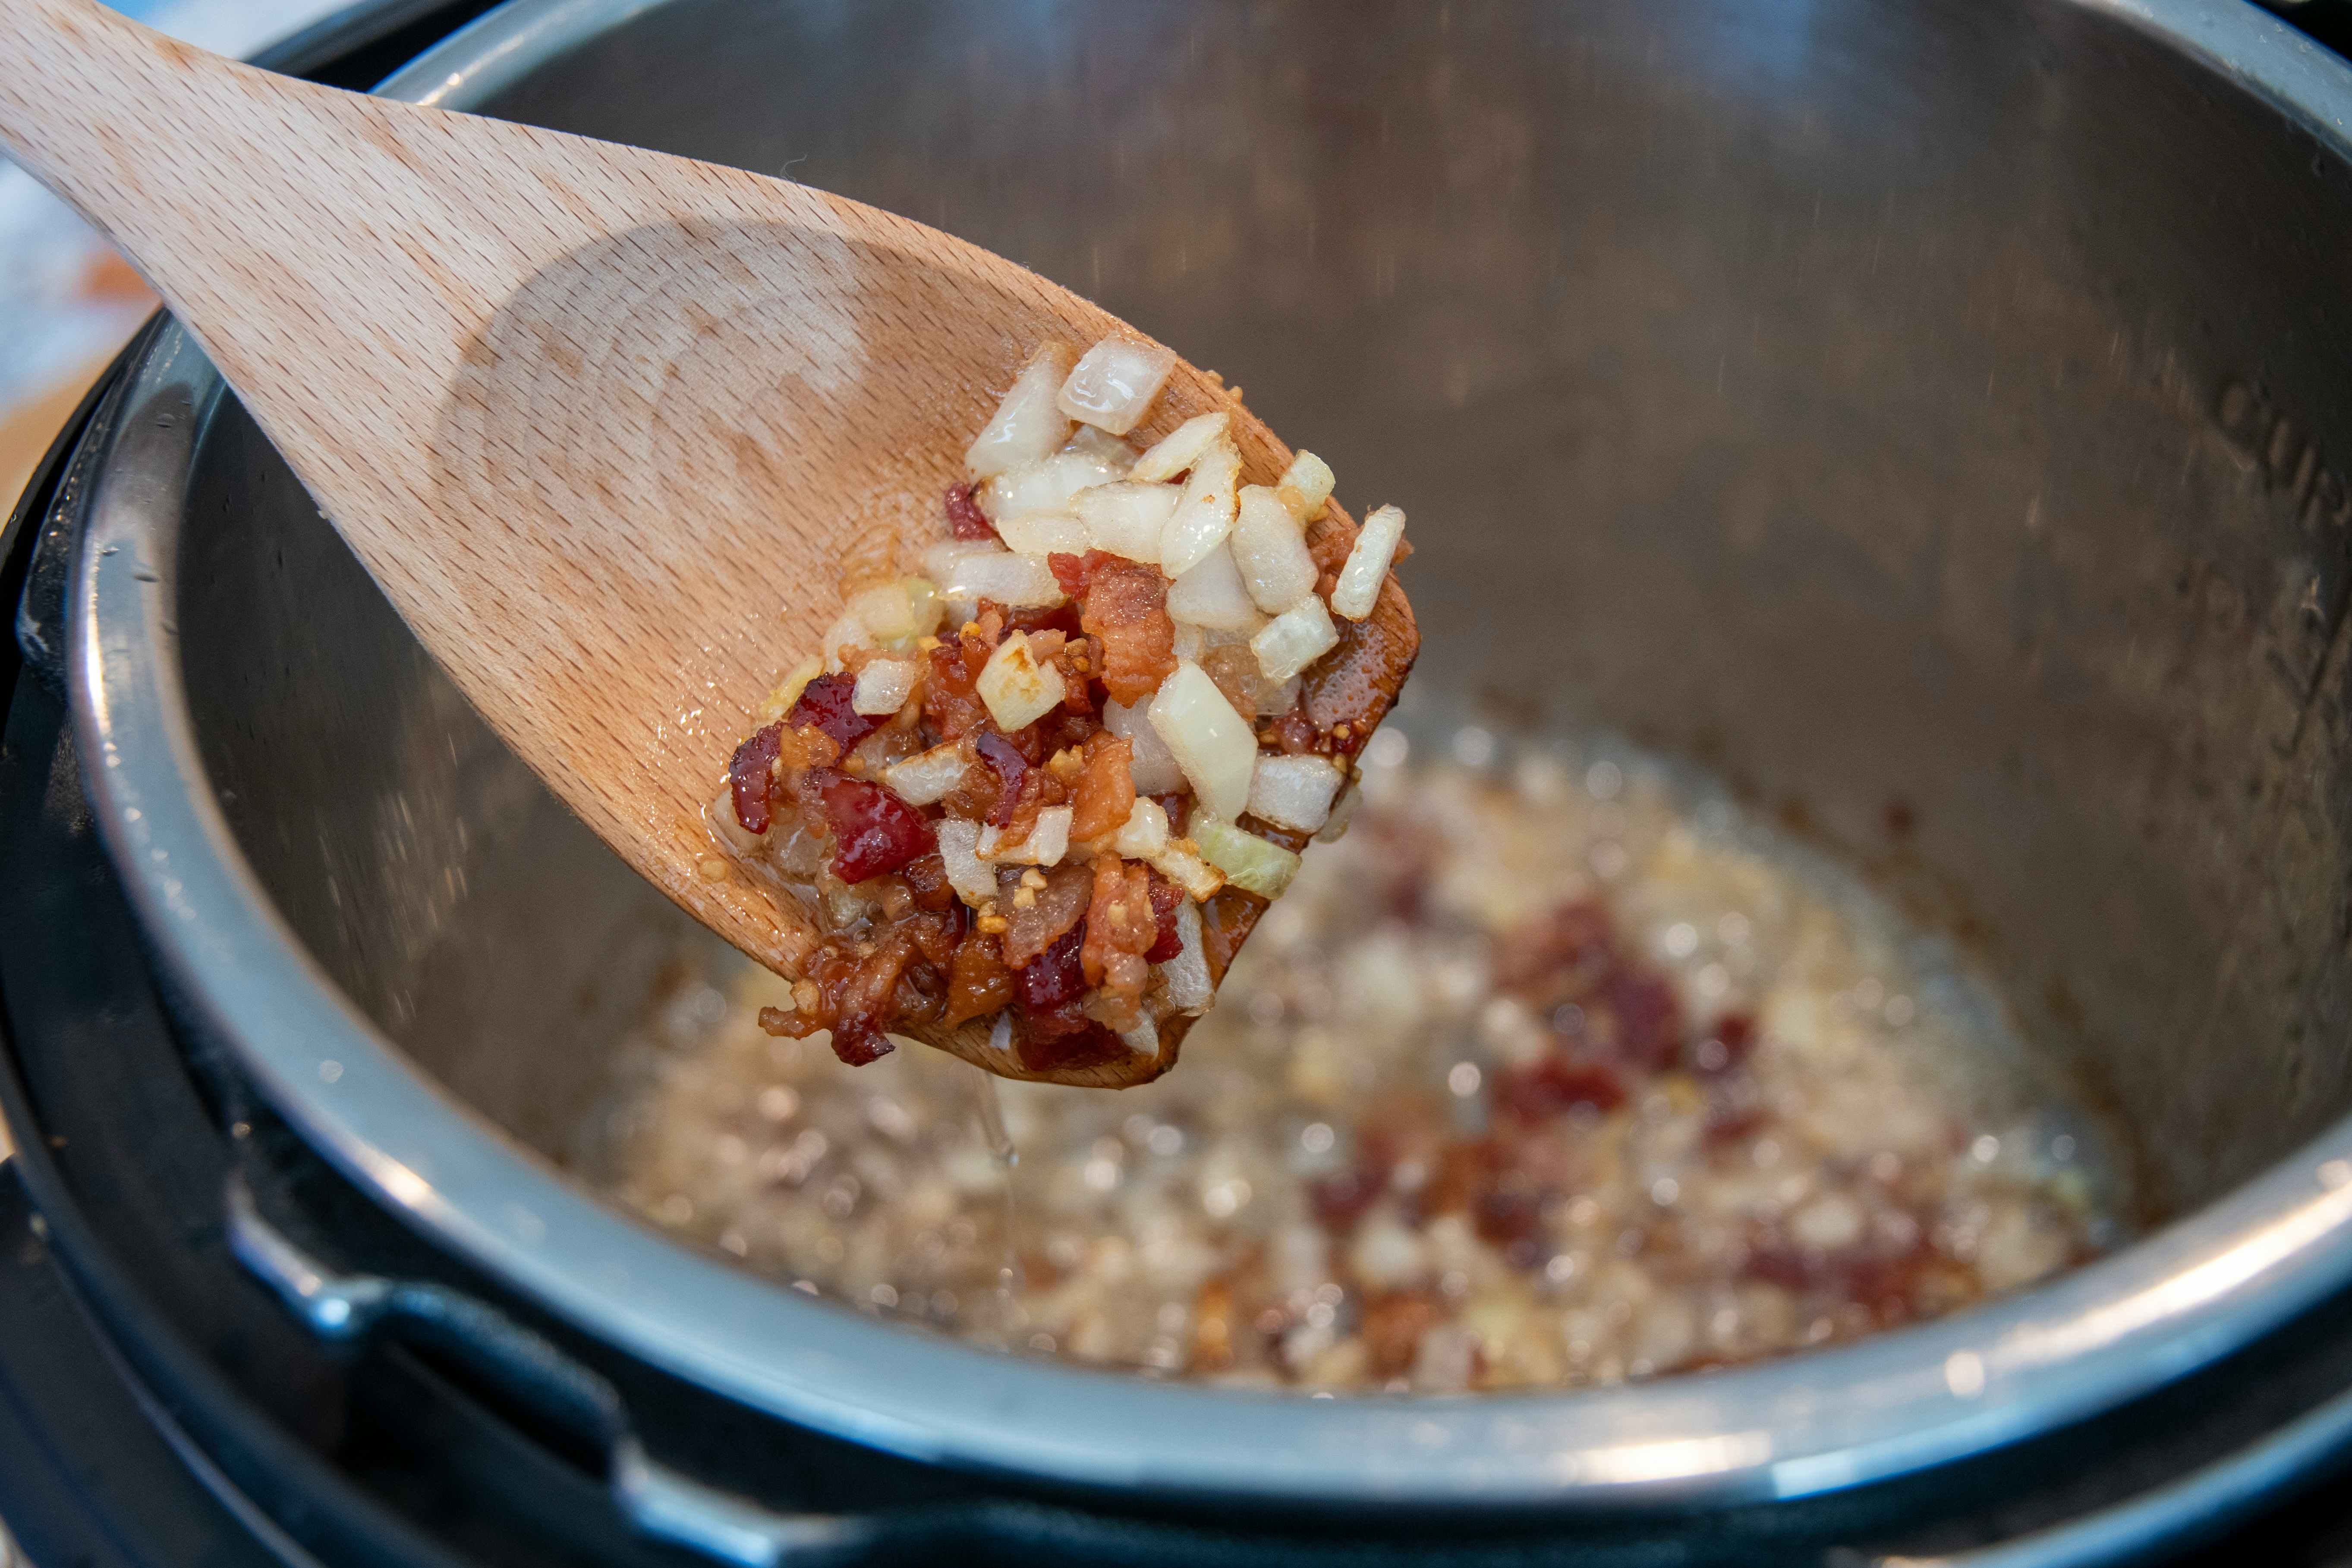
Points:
[1106,790]
[750,772]
[1168,940]
[1075,1040]
[1556,1084]
[825,703]
[856,997]
[1121,927]
[1052,911]
[1055,975]
[1295,734]
[1646,1016]
[875,831]
[1011,768]
[951,706]
[927,882]
[1124,607]
[978,981]
[1234,667]
[965,520]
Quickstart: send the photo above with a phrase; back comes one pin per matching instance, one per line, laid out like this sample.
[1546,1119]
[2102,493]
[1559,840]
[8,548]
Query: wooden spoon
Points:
[599,421]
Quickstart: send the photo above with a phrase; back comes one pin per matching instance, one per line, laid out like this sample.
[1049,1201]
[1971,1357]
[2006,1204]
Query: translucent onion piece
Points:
[1018,689]
[1368,564]
[1214,747]
[1027,425]
[1000,1034]
[1143,1039]
[847,632]
[888,611]
[1211,596]
[1342,815]
[1294,791]
[1295,639]
[1102,446]
[1153,767]
[975,882]
[923,595]
[1046,842]
[1249,862]
[1046,485]
[1145,832]
[883,686]
[1180,448]
[1187,974]
[1205,512]
[939,560]
[926,777]
[1181,864]
[1043,533]
[1305,486]
[1270,548]
[729,829]
[1127,518]
[1017,581]
[1191,642]
[1114,384]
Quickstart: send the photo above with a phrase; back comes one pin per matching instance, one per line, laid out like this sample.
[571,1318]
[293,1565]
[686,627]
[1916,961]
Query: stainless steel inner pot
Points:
[1931,415]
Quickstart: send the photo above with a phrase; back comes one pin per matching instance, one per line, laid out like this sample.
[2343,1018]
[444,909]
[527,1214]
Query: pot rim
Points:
[1816,1422]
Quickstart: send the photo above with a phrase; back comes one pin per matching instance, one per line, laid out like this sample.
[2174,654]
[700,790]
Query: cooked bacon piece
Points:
[1054,977]
[978,981]
[1169,942]
[855,998]
[1125,610]
[1104,792]
[928,884]
[951,706]
[1052,911]
[874,829]
[1557,1084]
[1294,735]
[965,520]
[1121,927]
[750,772]
[1234,667]
[1012,770]
[825,703]
[1645,1017]
[1075,1040]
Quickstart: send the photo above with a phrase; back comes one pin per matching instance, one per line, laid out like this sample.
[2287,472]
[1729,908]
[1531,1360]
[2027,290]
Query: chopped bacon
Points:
[1121,927]
[750,772]
[1067,1038]
[1294,735]
[1234,667]
[875,830]
[978,981]
[1168,941]
[965,520]
[951,706]
[1053,911]
[1647,1017]
[1106,790]
[856,997]
[1557,1084]
[1124,607]
[1054,977]
[825,703]
[927,882]
[1011,769]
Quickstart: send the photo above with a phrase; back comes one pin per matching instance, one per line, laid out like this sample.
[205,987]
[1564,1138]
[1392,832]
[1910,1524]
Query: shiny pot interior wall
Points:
[1931,415]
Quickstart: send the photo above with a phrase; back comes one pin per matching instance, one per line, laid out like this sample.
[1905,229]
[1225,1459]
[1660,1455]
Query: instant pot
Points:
[1931,416]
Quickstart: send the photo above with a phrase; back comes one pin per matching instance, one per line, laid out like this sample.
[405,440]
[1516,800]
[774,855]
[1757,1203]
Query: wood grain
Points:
[598,420]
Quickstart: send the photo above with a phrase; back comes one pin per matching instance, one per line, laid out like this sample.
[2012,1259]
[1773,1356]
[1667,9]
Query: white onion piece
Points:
[1368,564]
[927,776]
[1114,384]
[1017,581]
[1103,448]
[729,829]
[1043,533]
[1027,425]
[788,690]
[974,883]
[1046,485]
[1212,744]
[883,686]
[939,560]
[1293,792]
[1271,551]
[847,632]
[1018,689]
[1153,765]
[1213,597]
[923,596]
[1191,642]
[1342,814]
[1187,974]
[1249,862]
[1143,1039]
[1145,832]
[1305,486]
[1180,448]
[1000,1034]
[1047,841]
[1295,639]
[1181,864]
[1205,512]
[1127,518]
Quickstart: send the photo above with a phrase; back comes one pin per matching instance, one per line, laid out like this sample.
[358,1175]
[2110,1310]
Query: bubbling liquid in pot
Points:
[1556,1069]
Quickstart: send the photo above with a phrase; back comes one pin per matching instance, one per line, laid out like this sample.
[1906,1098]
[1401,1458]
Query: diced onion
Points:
[720,819]
[1368,564]
[1143,1039]
[1181,864]
[1249,862]
[1127,518]
[1027,425]
[1104,448]
[1191,642]
[923,595]
[1047,841]
[1211,596]
[1342,814]
[1205,512]
[1145,832]
[1017,581]
[939,560]
[1212,744]
[1153,766]
[1187,974]
[975,882]
[887,612]
[1271,551]
[847,632]
[1295,639]
[1305,486]
[1180,448]
[1114,384]
[1000,1034]
[1043,533]
[927,776]
[883,686]
[1018,689]
[1046,485]
[1294,791]
[788,690]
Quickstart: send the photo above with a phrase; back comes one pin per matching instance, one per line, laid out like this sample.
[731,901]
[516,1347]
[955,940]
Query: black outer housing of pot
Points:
[157,1405]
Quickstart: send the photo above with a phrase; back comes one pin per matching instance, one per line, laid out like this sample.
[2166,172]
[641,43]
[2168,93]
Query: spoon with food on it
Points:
[1075,653]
